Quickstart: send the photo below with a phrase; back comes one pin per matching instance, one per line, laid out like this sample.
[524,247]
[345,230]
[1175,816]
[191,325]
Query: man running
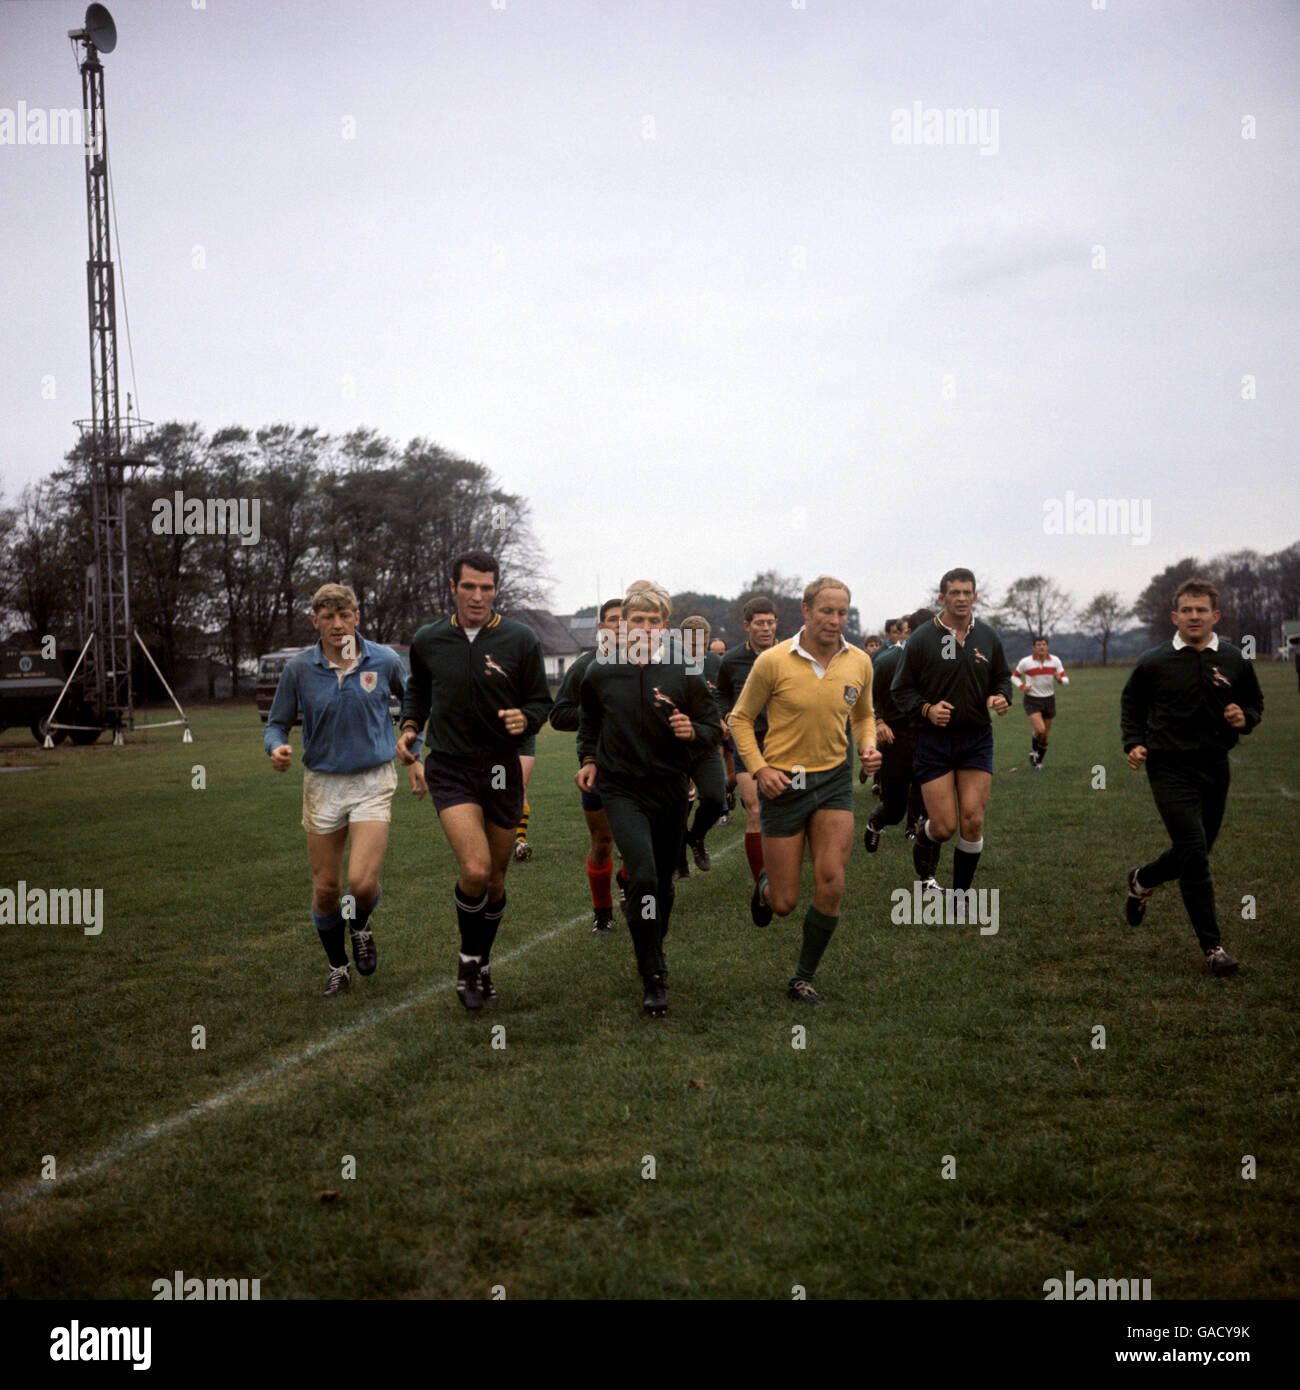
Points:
[759,616]
[707,770]
[565,715]
[900,794]
[642,714]
[1037,676]
[808,685]
[478,681]
[1184,706]
[341,688]
[953,672]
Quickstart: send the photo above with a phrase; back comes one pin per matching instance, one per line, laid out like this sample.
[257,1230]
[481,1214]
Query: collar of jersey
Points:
[1211,646]
[322,660]
[491,622]
[804,652]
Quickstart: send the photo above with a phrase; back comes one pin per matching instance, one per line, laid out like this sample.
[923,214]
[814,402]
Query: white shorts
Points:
[331,800]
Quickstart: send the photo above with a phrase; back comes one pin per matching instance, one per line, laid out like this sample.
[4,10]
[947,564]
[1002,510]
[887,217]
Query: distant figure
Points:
[1183,707]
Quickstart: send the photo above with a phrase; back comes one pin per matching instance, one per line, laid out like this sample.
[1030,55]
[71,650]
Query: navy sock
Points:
[492,915]
[469,917]
[365,909]
[330,927]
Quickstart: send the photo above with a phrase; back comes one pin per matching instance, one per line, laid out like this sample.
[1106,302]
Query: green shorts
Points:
[790,812]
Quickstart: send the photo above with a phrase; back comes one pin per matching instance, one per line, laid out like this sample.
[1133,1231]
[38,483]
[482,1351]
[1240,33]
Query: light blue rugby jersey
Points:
[346,726]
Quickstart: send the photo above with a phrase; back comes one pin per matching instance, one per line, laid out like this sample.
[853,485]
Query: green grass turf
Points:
[522,1166]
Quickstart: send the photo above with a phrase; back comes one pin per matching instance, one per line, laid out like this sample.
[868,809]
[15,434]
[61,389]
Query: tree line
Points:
[383,519]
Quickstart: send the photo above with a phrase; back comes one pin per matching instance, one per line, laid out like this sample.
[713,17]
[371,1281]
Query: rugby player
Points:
[565,715]
[707,770]
[341,688]
[896,737]
[807,684]
[953,672]
[1182,710]
[643,714]
[527,758]
[759,615]
[478,681]
[1037,676]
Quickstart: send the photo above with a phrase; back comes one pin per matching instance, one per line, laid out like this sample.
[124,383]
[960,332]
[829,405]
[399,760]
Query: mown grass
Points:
[522,1165]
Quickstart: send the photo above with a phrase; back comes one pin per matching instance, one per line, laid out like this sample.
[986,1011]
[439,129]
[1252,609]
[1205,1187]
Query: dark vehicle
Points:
[30,683]
[271,666]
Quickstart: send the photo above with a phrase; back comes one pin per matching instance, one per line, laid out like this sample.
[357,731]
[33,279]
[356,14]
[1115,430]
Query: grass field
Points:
[524,1165]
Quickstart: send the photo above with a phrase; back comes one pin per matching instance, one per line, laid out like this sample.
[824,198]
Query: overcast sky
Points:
[693,277]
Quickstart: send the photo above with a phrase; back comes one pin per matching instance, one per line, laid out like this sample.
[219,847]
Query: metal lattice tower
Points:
[108,436]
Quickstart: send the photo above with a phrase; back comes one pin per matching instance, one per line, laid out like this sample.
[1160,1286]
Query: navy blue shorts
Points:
[497,787]
[591,800]
[1041,704]
[941,751]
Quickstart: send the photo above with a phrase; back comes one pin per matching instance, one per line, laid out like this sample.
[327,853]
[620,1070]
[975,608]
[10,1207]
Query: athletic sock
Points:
[754,852]
[600,881]
[818,928]
[469,917]
[925,851]
[365,909]
[492,915]
[521,830]
[330,927]
[965,856]
[1042,753]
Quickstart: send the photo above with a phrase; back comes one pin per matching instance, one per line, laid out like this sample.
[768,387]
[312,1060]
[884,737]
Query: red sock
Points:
[754,852]
[599,879]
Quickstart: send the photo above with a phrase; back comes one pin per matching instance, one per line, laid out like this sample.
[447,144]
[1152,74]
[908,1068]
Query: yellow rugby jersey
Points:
[805,711]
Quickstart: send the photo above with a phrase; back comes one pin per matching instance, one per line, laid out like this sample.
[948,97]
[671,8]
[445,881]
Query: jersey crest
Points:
[369,680]
[979,655]
[1219,678]
[490,666]
[850,694]
[661,699]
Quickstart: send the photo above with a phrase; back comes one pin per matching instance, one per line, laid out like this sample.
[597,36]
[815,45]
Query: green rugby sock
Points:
[818,929]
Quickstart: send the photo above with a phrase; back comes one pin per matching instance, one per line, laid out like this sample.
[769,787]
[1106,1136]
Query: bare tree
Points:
[1102,618]
[1033,605]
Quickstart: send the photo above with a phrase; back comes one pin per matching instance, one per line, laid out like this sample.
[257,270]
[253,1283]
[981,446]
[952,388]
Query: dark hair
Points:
[1042,637]
[756,605]
[893,622]
[1201,588]
[957,574]
[476,560]
[607,605]
[919,619]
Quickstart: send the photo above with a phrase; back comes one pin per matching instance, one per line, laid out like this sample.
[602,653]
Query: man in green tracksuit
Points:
[645,710]
[479,681]
[953,672]
[1183,707]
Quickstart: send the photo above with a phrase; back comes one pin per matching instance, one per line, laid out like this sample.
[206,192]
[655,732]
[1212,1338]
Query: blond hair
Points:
[333,596]
[645,596]
[825,581]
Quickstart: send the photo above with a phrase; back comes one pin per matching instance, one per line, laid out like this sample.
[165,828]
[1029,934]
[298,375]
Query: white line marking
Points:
[27,1193]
